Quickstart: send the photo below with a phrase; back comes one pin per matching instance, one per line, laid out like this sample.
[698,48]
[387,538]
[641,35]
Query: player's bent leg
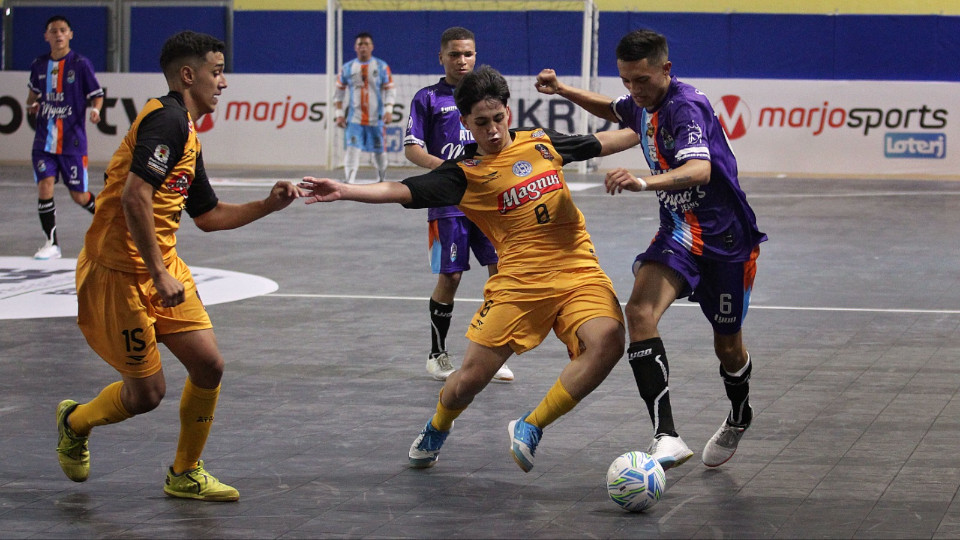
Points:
[479,365]
[602,343]
[197,350]
[655,287]
[735,370]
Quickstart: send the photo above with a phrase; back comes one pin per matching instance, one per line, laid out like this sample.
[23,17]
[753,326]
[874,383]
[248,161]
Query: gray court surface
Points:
[854,331]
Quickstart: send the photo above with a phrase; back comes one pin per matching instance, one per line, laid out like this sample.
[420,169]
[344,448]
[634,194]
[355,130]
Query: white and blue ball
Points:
[636,481]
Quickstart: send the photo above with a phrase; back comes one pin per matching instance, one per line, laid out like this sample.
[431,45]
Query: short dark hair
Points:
[363,35]
[187,46]
[56,18]
[455,33]
[480,85]
[643,44]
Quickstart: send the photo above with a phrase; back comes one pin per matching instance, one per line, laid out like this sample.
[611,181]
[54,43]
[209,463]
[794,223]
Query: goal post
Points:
[409,83]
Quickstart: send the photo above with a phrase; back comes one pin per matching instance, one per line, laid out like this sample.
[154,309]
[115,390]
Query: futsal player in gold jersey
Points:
[511,185]
[134,292]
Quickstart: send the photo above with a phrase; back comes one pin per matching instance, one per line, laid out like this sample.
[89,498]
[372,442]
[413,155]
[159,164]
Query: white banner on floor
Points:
[32,289]
[775,126]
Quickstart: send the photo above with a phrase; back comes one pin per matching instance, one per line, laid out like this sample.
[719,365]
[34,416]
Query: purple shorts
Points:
[451,240]
[721,288]
[72,169]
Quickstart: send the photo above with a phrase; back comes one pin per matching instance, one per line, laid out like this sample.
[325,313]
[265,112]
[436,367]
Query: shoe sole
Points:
[670,463]
[721,463]
[502,380]
[423,463]
[208,498]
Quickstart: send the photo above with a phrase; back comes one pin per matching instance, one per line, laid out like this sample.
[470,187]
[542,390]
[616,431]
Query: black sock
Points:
[91,204]
[738,391]
[649,362]
[48,218]
[440,315]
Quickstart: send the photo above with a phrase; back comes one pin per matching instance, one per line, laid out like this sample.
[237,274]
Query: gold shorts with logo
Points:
[520,310]
[120,314]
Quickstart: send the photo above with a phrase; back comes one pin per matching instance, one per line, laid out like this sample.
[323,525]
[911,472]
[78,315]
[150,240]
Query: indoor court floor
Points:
[854,331]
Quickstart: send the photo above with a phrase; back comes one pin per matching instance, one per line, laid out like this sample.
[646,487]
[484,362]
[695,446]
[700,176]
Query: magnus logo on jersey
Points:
[915,145]
[529,190]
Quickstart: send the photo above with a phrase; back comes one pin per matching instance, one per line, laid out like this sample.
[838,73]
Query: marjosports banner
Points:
[856,128]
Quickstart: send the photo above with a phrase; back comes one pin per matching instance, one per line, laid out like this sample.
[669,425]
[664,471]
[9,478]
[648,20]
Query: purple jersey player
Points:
[435,134]
[62,83]
[708,242]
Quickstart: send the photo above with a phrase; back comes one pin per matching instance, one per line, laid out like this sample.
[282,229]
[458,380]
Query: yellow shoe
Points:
[71,448]
[198,484]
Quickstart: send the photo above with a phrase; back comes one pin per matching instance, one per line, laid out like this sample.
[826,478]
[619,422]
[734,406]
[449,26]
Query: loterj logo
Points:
[915,145]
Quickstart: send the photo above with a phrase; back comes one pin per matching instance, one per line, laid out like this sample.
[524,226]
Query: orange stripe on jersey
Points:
[696,233]
[655,127]
[364,96]
[750,269]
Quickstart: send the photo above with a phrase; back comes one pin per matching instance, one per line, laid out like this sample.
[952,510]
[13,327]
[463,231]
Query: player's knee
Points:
[451,281]
[144,399]
[731,355]
[641,315]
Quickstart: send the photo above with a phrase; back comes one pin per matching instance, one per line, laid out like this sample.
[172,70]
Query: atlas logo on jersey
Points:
[522,168]
[529,190]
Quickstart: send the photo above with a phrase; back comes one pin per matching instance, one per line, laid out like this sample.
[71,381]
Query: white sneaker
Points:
[503,375]
[49,250]
[669,451]
[439,367]
[721,447]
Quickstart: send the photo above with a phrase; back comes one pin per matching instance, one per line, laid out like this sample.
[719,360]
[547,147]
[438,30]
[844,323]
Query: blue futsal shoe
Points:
[425,450]
[524,438]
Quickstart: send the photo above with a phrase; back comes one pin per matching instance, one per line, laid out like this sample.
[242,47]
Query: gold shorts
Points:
[520,310]
[120,314]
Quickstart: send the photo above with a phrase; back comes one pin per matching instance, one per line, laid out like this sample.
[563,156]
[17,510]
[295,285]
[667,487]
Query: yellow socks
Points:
[196,416]
[104,409]
[443,419]
[555,404]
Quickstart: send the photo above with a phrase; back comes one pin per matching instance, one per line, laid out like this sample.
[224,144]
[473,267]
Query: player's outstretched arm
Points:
[617,140]
[329,190]
[694,172]
[230,216]
[595,104]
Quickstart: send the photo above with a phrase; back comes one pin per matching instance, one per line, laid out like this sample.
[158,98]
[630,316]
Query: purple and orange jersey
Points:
[367,86]
[434,125]
[712,220]
[64,87]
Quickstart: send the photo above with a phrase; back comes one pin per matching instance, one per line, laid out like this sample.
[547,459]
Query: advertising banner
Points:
[817,128]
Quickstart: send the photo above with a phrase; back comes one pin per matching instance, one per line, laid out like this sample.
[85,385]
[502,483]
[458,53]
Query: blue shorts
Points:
[366,138]
[721,288]
[71,168]
[450,242]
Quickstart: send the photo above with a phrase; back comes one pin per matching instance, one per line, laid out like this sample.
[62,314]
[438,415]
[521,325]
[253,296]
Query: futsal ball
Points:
[636,481]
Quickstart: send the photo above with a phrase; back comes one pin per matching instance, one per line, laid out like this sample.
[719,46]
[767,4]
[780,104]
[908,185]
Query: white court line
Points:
[677,304]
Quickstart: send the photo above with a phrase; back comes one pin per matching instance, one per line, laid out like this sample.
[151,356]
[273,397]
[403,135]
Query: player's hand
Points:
[281,195]
[547,82]
[342,122]
[387,117]
[620,179]
[320,189]
[95,116]
[170,291]
[34,108]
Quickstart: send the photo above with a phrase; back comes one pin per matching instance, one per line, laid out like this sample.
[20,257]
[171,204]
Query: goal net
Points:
[529,107]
